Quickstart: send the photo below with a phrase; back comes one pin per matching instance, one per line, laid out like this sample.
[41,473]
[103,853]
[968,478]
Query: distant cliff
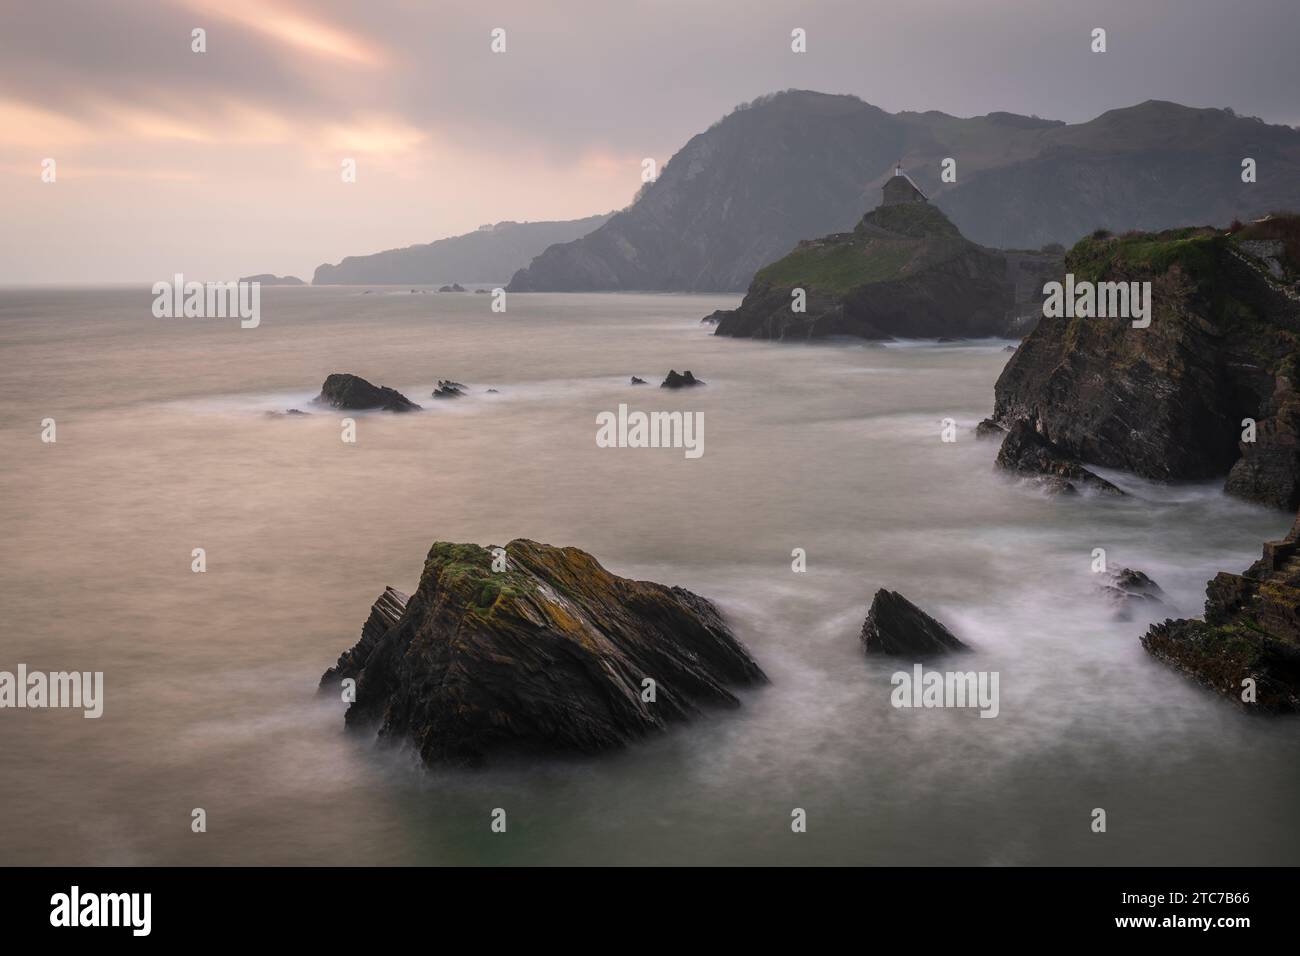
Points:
[904,270]
[1170,401]
[800,164]
[489,254]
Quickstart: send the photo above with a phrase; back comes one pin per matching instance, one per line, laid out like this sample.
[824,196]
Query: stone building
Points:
[900,188]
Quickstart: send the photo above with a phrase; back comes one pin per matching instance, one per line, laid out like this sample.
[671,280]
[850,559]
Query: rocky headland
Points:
[550,654]
[905,270]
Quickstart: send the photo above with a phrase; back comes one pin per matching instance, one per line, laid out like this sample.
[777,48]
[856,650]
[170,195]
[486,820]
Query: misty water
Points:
[164,445]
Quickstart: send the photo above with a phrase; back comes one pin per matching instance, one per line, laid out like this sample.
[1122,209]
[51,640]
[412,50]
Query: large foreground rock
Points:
[549,655]
[1169,402]
[352,392]
[897,627]
[1251,630]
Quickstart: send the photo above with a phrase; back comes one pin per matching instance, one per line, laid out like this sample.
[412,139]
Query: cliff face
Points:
[548,655]
[1251,631]
[802,164]
[485,255]
[905,270]
[1168,402]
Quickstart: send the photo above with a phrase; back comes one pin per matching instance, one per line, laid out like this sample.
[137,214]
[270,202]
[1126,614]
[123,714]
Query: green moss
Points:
[1195,251]
[838,268]
[467,569]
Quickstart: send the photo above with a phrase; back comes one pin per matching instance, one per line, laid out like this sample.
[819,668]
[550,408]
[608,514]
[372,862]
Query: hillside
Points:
[489,254]
[801,164]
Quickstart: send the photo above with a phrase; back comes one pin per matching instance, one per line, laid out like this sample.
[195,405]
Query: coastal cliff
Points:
[1207,390]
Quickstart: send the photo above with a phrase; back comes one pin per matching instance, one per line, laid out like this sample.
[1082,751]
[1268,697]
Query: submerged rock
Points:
[685,380]
[988,428]
[448,389]
[1029,454]
[897,627]
[352,392]
[637,381]
[1128,590]
[549,655]
[454,287]
[1251,632]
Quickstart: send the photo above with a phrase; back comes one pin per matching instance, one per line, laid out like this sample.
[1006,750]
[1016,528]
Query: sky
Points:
[229,162]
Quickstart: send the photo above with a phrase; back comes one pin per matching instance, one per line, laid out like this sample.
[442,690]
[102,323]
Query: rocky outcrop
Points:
[552,654]
[1029,455]
[454,287]
[905,270]
[1251,632]
[898,628]
[353,393]
[1170,401]
[684,380]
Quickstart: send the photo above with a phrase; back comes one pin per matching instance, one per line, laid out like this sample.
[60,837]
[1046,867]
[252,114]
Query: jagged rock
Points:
[1167,402]
[352,392]
[897,627]
[1128,590]
[448,389]
[1027,453]
[685,380]
[454,287]
[988,428]
[549,655]
[1251,630]
[384,613]
[638,381]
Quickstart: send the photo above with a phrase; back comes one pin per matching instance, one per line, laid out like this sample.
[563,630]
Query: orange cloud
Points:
[293,28]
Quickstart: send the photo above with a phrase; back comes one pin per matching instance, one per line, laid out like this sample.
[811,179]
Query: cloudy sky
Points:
[228,162]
